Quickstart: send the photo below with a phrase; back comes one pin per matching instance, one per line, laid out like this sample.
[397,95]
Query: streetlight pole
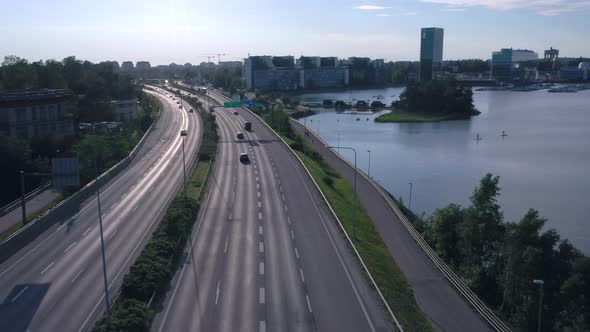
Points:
[183,133]
[369,151]
[319,128]
[354,207]
[410,204]
[540,283]
[104,262]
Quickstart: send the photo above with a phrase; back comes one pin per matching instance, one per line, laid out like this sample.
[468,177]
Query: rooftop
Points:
[32,95]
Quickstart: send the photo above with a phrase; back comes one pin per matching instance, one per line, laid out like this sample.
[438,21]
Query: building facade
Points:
[125,110]
[510,65]
[127,66]
[431,52]
[35,114]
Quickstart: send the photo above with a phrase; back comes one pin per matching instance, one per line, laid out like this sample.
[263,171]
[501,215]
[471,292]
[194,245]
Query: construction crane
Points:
[209,57]
[219,57]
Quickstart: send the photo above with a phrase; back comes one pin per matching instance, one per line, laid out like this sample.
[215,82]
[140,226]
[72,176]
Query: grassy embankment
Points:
[405,117]
[388,276]
[149,277]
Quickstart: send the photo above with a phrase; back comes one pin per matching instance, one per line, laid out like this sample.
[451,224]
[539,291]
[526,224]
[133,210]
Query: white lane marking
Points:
[123,197]
[308,303]
[48,267]
[255,164]
[261,295]
[78,274]
[283,197]
[70,247]
[135,208]
[301,274]
[279,181]
[255,171]
[260,230]
[257,179]
[86,231]
[262,326]
[217,292]
[259,204]
[261,268]
[286,208]
[296,253]
[288,220]
[259,215]
[225,248]
[258,186]
[281,189]
[230,216]
[19,293]
[132,187]
[261,247]
[152,188]
[258,194]
[113,234]
[292,235]
[114,205]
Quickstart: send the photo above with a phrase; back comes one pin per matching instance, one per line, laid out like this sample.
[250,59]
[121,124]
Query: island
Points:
[432,101]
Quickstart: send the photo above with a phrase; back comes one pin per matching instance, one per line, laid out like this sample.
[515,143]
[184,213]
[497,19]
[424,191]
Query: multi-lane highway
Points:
[56,283]
[266,254]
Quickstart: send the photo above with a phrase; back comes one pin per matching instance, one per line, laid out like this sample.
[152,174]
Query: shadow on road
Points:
[19,307]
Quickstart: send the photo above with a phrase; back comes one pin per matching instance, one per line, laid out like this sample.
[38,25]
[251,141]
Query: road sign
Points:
[232,104]
[247,103]
[65,172]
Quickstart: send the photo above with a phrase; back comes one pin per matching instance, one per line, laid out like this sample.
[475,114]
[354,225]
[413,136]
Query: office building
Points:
[431,52]
[270,73]
[511,64]
[321,72]
[143,65]
[125,110]
[127,66]
[551,54]
[35,114]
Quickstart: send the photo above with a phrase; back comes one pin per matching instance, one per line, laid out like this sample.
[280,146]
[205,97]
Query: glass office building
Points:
[431,51]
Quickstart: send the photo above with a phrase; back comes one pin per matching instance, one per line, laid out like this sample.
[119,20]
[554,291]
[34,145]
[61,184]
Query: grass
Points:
[385,271]
[197,180]
[404,117]
[30,218]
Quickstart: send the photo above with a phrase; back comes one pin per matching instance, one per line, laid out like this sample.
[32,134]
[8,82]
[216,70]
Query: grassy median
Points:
[387,275]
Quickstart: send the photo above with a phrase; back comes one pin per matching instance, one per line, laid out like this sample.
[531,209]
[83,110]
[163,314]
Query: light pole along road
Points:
[265,254]
[55,282]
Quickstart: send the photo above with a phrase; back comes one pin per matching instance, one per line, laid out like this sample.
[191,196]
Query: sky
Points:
[182,31]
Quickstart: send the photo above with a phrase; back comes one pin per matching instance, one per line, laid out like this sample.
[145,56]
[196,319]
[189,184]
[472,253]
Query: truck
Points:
[248,125]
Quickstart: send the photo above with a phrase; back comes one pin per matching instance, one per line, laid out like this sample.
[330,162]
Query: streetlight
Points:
[410,204]
[354,208]
[183,133]
[369,151]
[104,262]
[540,283]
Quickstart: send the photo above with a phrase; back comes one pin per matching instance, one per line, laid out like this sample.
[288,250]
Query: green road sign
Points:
[232,104]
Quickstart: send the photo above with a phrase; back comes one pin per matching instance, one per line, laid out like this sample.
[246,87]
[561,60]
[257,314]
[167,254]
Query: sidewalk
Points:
[437,298]
[32,206]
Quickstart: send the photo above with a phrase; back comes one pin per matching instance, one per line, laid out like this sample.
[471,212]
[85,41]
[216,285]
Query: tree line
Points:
[499,260]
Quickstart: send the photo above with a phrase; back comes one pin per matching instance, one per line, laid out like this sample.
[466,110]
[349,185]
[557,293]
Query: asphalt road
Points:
[33,205]
[266,255]
[56,282]
[434,294]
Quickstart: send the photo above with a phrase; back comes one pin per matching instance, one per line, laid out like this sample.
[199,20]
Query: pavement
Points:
[33,205]
[56,282]
[437,298]
[265,253]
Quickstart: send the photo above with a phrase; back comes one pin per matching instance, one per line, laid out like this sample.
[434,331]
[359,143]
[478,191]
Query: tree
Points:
[445,225]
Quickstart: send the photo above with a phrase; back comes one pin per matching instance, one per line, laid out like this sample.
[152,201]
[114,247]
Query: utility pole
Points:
[540,283]
[410,204]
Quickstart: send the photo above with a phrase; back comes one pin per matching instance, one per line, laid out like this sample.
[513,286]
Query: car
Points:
[235,112]
[183,132]
[244,158]
[240,135]
[191,110]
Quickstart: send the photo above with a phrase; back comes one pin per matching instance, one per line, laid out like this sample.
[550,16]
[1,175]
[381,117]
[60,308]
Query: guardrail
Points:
[341,226]
[487,314]
[17,202]
[65,208]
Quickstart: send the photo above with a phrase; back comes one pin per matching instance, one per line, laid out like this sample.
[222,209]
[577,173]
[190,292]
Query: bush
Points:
[328,181]
[127,315]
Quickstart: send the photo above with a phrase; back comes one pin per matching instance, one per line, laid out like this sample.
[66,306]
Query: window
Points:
[34,113]
[20,114]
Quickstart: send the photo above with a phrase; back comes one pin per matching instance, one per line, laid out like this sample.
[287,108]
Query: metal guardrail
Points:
[341,226]
[487,314]
[17,202]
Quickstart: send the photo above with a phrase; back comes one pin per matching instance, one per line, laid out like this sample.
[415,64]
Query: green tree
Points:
[444,225]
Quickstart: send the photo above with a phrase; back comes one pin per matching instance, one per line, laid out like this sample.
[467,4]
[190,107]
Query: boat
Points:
[566,89]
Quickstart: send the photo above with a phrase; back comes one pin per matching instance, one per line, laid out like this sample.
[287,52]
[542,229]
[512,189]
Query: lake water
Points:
[543,162]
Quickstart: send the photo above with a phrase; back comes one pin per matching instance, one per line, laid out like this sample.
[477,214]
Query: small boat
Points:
[358,119]
[478,138]
[503,134]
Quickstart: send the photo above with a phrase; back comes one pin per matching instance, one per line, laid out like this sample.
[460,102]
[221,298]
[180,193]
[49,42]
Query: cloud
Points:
[383,15]
[542,7]
[453,9]
[371,7]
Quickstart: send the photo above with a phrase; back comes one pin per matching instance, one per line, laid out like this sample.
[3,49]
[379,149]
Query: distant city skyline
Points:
[183,31]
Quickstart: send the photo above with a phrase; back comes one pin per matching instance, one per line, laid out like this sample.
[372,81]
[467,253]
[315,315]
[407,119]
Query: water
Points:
[543,163]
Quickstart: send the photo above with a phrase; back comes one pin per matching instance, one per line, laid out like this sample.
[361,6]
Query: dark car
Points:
[244,158]
[235,112]
[240,135]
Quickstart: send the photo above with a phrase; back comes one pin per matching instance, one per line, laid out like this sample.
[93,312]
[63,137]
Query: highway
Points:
[266,254]
[56,282]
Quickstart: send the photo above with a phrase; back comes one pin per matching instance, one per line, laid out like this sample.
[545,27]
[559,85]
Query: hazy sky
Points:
[183,31]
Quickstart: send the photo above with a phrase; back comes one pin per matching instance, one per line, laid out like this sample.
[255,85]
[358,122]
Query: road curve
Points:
[55,283]
[266,254]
